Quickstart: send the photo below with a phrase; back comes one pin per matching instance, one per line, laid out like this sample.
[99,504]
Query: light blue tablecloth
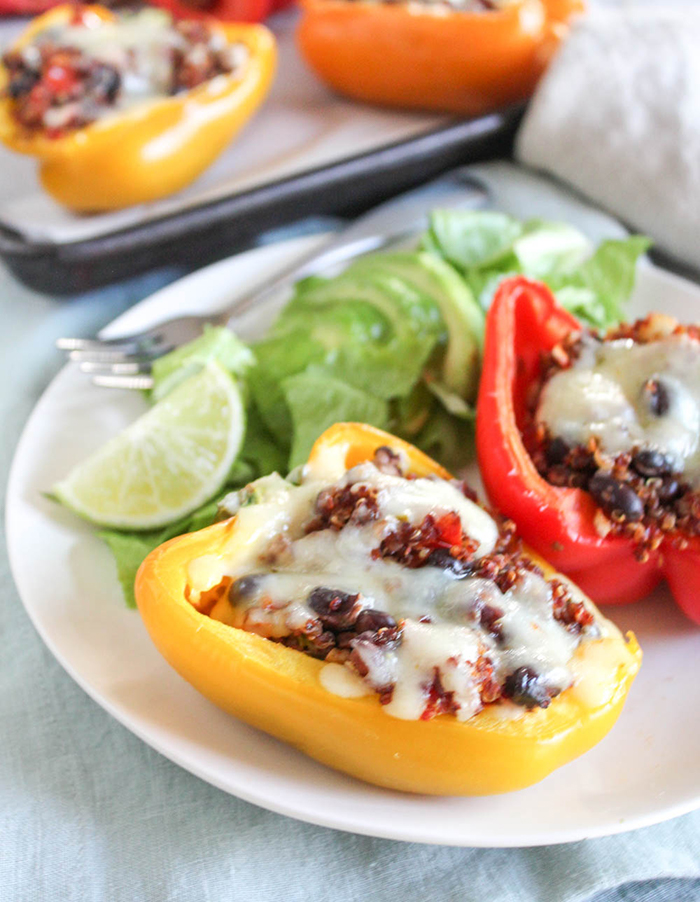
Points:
[88,812]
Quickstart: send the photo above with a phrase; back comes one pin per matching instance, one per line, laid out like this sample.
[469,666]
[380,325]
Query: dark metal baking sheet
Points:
[203,234]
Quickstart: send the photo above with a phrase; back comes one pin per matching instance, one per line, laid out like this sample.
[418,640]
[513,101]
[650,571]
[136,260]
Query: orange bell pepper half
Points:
[278,689]
[432,58]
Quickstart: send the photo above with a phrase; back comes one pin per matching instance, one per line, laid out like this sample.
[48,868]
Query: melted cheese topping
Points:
[280,566]
[140,46]
[602,395]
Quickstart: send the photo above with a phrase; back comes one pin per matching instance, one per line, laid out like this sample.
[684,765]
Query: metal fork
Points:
[125,362]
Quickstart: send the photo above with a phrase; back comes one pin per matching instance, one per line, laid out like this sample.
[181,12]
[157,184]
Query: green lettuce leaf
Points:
[453,403]
[131,548]
[488,247]
[261,453]
[473,238]
[584,304]
[448,439]
[547,248]
[610,273]
[215,343]
[277,358]
[317,400]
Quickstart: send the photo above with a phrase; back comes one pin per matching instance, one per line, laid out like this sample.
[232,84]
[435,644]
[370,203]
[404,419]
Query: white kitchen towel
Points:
[618,117]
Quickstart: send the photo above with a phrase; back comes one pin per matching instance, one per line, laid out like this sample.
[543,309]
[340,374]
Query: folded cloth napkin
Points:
[618,117]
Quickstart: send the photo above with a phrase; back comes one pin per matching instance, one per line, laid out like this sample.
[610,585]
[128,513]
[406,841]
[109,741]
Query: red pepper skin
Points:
[682,572]
[222,10]
[524,321]
[25,7]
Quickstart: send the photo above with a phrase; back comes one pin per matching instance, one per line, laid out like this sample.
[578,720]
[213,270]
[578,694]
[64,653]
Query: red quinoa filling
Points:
[639,493]
[56,89]
[343,630]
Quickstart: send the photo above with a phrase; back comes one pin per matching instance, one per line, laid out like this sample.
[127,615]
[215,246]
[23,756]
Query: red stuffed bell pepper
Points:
[524,324]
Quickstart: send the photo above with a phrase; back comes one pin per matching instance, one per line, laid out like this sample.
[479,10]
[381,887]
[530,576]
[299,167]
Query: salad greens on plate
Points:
[395,340]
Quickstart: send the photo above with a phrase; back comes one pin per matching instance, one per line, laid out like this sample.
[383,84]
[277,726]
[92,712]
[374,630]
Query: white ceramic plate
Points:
[646,770]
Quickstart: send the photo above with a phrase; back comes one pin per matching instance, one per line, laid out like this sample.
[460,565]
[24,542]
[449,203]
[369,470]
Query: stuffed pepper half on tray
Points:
[369,612]
[125,109]
[455,56]
[591,443]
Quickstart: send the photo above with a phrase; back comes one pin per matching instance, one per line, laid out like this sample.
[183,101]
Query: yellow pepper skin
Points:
[154,149]
[277,689]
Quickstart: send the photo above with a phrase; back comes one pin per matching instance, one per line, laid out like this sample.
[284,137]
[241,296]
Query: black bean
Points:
[337,610]
[105,82]
[344,639]
[371,620]
[22,83]
[657,396]
[669,489]
[524,687]
[651,462]
[442,558]
[615,497]
[245,587]
[489,619]
[556,451]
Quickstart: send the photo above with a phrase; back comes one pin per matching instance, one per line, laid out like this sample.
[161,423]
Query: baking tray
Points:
[210,231]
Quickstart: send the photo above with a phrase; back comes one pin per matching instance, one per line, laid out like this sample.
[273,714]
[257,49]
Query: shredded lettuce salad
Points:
[395,341]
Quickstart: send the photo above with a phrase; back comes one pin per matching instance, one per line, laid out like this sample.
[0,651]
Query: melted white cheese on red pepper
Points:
[603,395]
[282,565]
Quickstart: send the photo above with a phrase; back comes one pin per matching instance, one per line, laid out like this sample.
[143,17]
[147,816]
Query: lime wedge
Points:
[167,463]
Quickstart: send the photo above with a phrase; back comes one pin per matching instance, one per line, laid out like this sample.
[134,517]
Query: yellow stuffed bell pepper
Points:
[279,690]
[152,149]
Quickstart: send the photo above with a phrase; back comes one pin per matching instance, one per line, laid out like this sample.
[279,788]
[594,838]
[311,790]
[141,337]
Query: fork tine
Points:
[93,344]
[132,382]
[113,356]
[131,368]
